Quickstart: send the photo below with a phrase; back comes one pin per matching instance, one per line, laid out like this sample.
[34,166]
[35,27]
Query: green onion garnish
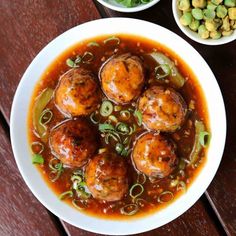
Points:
[37,159]
[67,194]
[45,117]
[181,186]
[106,108]
[119,148]
[71,63]
[125,114]
[56,168]
[87,58]
[93,44]
[122,128]
[79,204]
[129,209]
[105,127]
[204,138]
[138,115]
[112,38]
[138,188]
[141,179]
[113,118]
[94,119]
[162,71]
[166,194]
[37,147]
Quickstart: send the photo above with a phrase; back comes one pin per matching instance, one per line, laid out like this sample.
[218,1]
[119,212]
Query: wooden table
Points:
[26,26]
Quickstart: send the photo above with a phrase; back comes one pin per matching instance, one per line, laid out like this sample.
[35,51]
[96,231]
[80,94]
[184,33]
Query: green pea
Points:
[208,14]
[221,11]
[216,2]
[203,32]
[194,25]
[230,3]
[211,6]
[232,13]
[186,18]
[215,34]
[199,3]
[197,13]
[183,5]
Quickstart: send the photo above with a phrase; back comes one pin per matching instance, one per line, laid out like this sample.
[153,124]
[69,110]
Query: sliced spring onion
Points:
[37,159]
[79,204]
[78,60]
[141,179]
[37,147]
[204,138]
[138,115]
[112,38]
[67,194]
[78,178]
[126,140]
[106,127]
[132,129]
[88,57]
[163,195]
[176,79]
[119,148]
[138,188]
[140,202]
[71,63]
[117,108]
[81,193]
[174,183]
[113,118]
[93,44]
[106,108]
[45,117]
[102,150]
[125,152]
[125,114]
[181,186]
[122,128]
[40,104]
[129,209]
[197,147]
[162,71]
[56,168]
[94,119]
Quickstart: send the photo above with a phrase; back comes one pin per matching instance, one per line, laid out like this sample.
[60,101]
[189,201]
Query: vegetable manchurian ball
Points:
[106,177]
[122,78]
[163,109]
[77,93]
[73,142]
[154,155]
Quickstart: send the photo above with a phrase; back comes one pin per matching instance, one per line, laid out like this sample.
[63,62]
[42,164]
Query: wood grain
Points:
[21,214]
[27,26]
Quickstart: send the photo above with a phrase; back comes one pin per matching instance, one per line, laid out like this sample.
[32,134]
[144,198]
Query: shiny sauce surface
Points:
[152,198]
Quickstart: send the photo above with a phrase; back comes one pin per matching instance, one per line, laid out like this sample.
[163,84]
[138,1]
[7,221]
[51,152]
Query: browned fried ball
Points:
[106,177]
[73,142]
[154,155]
[163,109]
[122,78]
[77,93]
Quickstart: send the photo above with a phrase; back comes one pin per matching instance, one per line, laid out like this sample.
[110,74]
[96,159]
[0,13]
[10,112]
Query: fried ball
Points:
[122,78]
[163,109]
[106,177]
[77,93]
[73,142]
[154,155]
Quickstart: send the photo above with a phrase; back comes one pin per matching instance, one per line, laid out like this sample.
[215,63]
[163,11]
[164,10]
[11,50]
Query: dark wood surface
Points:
[26,27]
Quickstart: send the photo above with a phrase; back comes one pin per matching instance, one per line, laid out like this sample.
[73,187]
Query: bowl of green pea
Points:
[210,22]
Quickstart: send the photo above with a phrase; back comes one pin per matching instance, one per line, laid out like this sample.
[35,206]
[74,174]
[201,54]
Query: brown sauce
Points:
[184,138]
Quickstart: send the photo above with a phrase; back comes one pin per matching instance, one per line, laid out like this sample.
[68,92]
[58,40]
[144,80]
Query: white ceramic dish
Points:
[112,4]
[194,36]
[20,108]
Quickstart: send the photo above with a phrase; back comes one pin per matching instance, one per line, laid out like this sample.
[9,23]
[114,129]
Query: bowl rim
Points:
[33,178]
[126,9]
[194,36]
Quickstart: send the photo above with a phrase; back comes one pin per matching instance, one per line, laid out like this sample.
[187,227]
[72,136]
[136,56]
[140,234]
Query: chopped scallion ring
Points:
[79,204]
[113,118]
[119,148]
[37,147]
[138,115]
[102,150]
[88,57]
[141,179]
[37,159]
[166,194]
[134,188]
[67,194]
[106,108]
[93,118]
[181,186]
[129,209]
[204,138]
[162,71]
[125,114]
[93,44]
[112,38]
[45,117]
[122,128]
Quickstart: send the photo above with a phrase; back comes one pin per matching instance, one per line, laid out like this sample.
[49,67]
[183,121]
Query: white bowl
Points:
[193,35]
[112,4]
[18,125]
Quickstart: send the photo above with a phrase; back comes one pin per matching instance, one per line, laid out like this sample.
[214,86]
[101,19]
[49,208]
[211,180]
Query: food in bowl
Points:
[210,19]
[118,126]
[132,3]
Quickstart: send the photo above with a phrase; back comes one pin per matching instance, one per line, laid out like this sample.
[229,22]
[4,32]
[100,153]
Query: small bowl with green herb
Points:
[128,5]
[211,22]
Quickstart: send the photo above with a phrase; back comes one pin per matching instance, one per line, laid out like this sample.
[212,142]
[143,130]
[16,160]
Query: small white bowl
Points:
[112,4]
[193,35]
[20,108]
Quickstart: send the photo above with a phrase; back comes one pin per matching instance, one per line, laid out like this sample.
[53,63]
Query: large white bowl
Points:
[112,4]
[21,105]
